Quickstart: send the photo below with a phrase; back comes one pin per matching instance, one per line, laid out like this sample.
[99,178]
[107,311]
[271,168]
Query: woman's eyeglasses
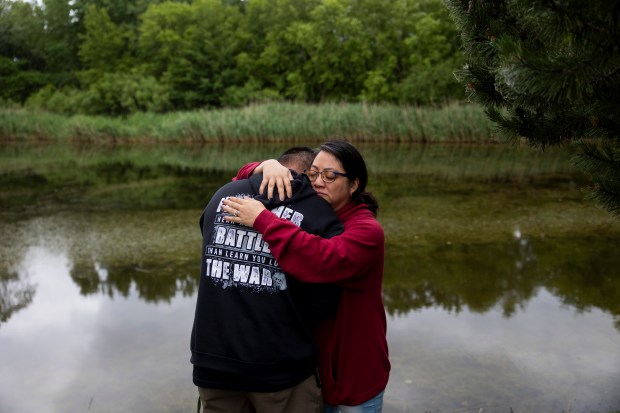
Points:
[327,175]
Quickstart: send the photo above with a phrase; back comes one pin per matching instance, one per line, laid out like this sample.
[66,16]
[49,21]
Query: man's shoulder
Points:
[233,187]
[239,188]
[320,217]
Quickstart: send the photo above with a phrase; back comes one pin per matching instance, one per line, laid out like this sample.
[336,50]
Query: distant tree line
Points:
[117,57]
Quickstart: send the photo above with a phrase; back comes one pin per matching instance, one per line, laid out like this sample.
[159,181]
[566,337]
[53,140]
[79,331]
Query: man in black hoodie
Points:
[251,342]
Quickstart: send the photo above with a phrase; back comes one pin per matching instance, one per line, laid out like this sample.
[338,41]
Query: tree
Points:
[192,48]
[333,53]
[214,53]
[271,57]
[61,40]
[433,53]
[22,33]
[22,50]
[212,45]
[103,46]
[353,50]
[549,72]
[121,12]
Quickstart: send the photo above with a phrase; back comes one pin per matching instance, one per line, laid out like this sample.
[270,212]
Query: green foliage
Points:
[64,100]
[602,161]
[113,94]
[61,36]
[104,44]
[250,93]
[192,48]
[215,53]
[22,34]
[16,84]
[548,72]
[120,94]
[335,53]
[123,13]
[161,35]
[433,57]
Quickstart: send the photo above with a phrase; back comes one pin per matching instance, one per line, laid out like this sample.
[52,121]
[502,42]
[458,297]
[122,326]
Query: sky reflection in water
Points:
[480,316]
[544,358]
[71,352]
[68,352]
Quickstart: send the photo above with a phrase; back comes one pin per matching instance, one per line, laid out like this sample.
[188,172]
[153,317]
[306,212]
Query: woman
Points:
[353,353]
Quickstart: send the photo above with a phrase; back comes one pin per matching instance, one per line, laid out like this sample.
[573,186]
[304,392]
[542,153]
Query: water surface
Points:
[501,282]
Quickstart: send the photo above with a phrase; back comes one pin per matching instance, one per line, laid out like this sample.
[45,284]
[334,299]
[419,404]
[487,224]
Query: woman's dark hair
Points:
[355,167]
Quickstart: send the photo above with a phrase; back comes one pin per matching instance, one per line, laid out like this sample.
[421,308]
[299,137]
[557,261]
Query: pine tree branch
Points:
[549,71]
[602,160]
[606,194]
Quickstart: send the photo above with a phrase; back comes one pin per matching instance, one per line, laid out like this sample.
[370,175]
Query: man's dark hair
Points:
[297,158]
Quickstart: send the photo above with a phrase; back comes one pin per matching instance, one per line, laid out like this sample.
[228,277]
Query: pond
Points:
[501,286]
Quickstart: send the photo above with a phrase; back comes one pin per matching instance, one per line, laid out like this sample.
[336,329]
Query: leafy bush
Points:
[123,94]
[66,100]
[17,83]
[114,94]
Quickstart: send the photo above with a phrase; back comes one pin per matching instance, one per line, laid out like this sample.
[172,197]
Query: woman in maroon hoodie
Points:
[353,352]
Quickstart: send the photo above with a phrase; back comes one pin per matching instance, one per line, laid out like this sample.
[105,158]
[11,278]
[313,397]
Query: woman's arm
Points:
[342,259]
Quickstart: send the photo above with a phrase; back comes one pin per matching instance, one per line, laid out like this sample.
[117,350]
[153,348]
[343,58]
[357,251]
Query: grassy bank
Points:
[270,122]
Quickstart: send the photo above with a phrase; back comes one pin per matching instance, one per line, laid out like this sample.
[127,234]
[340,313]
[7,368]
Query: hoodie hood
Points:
[302,188]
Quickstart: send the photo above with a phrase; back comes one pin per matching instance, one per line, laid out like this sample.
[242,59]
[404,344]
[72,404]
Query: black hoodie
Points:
[253,325]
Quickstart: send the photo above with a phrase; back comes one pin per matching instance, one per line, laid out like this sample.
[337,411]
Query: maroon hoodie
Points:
[353,351]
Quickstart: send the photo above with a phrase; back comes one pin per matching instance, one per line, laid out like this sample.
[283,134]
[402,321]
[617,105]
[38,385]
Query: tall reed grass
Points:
[268,122]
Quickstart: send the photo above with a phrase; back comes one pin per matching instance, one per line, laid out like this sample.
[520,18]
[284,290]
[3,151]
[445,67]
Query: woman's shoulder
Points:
[359,215]
[356,211]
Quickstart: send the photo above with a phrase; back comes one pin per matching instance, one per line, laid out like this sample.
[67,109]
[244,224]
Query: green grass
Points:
[270,122]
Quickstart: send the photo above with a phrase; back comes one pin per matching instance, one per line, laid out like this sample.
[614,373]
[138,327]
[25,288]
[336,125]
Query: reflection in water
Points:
[500,281]
[454,277]
[15,294]
[110,347]
[68,352]
[481,277]
[151,285]
[543,359]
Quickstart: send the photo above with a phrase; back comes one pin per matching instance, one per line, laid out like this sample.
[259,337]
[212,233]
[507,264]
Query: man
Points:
[251,343]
